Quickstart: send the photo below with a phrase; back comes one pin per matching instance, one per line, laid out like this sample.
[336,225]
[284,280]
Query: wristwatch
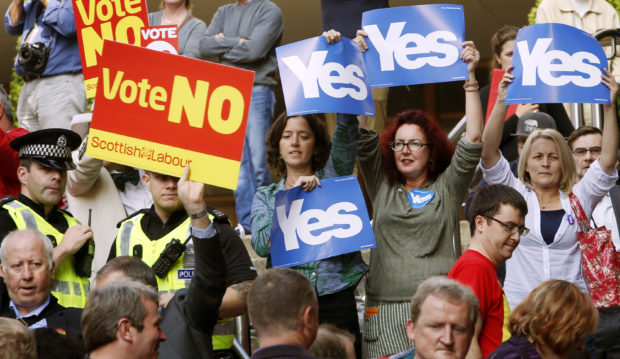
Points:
[199,214]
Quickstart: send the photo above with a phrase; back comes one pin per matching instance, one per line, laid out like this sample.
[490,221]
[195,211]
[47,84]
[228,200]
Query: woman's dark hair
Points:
[322,142]
[441,149]
[501,36]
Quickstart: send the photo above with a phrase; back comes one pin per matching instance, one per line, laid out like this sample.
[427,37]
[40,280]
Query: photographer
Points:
[48,61]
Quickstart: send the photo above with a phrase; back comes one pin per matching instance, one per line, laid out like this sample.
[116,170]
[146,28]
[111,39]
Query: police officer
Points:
[160,237]
[45,157]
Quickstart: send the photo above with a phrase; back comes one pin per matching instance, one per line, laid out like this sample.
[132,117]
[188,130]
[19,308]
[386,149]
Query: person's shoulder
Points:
[268,190]
[131,216]
[470,264]
[6,199]
[268,4]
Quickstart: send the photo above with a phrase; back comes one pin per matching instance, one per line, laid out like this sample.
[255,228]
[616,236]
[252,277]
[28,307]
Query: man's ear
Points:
[410,328]
[145,179]
[479,221]
[22,172]
[309,324]
[124,330]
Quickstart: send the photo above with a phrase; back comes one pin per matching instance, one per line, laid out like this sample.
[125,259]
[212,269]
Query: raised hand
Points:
[610,82]
[191,193]
[503,85]
[470,55]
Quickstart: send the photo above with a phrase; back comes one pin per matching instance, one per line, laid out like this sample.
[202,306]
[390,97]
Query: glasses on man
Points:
[581,151]
[510,228]
[413,146]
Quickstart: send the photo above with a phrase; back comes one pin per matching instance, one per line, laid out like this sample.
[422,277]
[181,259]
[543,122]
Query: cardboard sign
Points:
[556,63]
[164,38]
[414,45]
[99,20]
[193,112]
[322,77]
[325,222]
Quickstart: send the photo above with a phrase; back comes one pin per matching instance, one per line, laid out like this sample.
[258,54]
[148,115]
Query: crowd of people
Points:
[102,260]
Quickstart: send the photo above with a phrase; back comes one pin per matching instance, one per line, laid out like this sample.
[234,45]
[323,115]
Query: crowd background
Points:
[430,98]
[303,20]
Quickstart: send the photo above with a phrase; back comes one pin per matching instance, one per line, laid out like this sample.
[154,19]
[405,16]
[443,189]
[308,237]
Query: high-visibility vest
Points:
[130,235]
[70,289]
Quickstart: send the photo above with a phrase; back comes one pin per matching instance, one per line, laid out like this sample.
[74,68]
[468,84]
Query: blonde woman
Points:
[546,178]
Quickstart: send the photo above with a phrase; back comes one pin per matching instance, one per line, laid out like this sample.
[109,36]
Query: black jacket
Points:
[189,318]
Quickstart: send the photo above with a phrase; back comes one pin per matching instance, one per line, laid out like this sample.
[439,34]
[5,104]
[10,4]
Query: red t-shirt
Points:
[478,272]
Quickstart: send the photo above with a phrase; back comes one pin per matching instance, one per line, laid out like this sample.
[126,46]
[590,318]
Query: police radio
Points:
[173,251]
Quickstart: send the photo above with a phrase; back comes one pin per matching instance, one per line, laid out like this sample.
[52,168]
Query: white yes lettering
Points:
[395,46]
[302,224]
[326,75]
[546,63]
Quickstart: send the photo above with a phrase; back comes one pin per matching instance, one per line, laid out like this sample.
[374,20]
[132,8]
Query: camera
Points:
[33,57]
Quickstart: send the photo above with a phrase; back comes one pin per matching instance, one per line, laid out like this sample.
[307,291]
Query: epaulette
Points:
[6,199]
[65,212]
[143,210]
[218,215]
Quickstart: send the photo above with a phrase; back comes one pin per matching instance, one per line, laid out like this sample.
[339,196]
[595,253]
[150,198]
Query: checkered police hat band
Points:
[45,151]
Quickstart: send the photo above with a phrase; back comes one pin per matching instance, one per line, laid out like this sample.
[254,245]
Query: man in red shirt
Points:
[497,215]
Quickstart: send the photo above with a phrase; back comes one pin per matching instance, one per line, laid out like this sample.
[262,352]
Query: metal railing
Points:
[576,109]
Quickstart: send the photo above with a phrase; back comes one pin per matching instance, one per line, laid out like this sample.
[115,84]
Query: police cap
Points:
[50,147]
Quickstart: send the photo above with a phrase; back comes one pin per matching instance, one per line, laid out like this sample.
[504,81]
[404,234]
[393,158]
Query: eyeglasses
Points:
[580,151]
[413,146]
[510,228]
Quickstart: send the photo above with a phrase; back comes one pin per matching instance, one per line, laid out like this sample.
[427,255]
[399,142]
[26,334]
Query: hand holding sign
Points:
[609,80]
[307,183]
[503,85]
[470,56]
[360,39]
[332,36]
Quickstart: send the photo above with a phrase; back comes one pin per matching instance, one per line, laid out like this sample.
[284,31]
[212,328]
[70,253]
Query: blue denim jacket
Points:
[57,32]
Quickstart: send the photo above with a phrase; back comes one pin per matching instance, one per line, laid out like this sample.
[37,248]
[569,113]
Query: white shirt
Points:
[136,196]
[533,261]
[604,215]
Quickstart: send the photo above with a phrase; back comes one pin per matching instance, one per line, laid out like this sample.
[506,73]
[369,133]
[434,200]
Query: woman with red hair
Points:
[416,181]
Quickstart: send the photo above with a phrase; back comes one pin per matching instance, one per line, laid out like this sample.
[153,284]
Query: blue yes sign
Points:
[321,77]
[556,63]
[414,45]
[326,222]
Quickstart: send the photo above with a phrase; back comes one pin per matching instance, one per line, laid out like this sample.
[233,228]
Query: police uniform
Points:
[50,148]
[144,235]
